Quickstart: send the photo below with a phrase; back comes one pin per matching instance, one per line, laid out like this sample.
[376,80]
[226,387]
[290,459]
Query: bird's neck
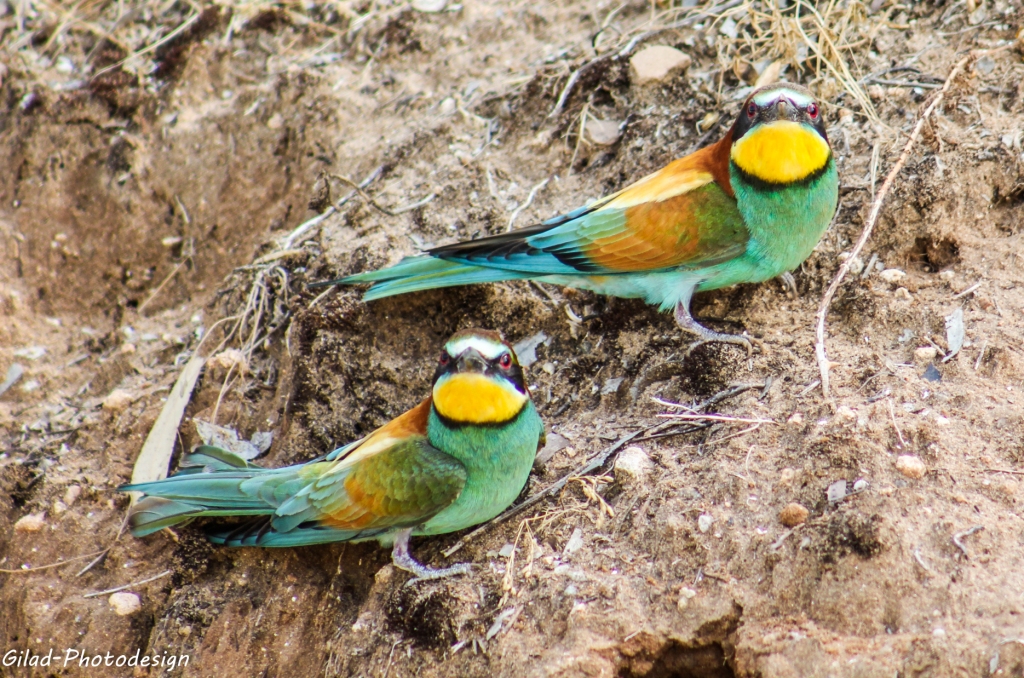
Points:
[786,222]
[478,446]
[497,458]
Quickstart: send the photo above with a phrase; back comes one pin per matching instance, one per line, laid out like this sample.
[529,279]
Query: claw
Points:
[403,559]
[711,337]
[789,283]
[706,336]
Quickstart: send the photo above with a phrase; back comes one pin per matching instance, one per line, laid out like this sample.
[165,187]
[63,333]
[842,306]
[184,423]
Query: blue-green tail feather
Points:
[217,483]
[414,274]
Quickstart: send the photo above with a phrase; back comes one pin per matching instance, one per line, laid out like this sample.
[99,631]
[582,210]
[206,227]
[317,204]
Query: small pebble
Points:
[429,6]
[910,466]
[796,419]
[574,544]
[276,121]
[846,413]
[793,514]
[836,491]
[925,354]
[124,603]
[447,107]
[33,522]
[117,400]
[860,485]
[657,63]
[704,522]
[72,494]
[603,132]
[228,359]
[685,596]
[632,465]
[856,264]
[892,275]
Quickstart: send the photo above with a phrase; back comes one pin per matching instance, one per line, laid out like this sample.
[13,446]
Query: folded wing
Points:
[393,479]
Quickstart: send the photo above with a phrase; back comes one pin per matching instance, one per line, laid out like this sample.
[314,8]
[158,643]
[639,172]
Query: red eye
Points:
[445,358]
[751,109]
[812,110]
[505,361]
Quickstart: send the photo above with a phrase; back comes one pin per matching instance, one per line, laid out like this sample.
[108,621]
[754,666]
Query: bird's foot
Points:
[789,283]
[707,336]
[403,559]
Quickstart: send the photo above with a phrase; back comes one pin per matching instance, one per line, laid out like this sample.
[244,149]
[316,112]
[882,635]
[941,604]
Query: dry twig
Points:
[876,207]
[128,586]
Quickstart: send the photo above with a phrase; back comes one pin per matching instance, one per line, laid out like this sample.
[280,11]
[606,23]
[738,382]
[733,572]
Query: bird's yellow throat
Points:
[780,152]
[475,399]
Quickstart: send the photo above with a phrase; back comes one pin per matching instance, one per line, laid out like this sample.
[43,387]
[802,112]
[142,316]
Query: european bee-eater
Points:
[748,208]
[457,459]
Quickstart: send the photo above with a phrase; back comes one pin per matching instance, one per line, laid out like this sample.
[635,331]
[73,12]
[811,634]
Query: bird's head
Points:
[478,379]
[779,137]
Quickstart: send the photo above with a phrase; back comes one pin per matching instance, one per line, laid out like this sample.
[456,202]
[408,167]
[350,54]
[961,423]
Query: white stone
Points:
[574,544]
[657,63]
[632,465]
[72,494]
[925,354]
[603,132]
[892,275]
[447,106]
[704,522]
[685,596]
[124,603]
[430,6]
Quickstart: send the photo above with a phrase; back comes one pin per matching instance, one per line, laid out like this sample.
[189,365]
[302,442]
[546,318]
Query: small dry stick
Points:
[380,208]
[128,586]
[27,570]
[876,208]
[966,533]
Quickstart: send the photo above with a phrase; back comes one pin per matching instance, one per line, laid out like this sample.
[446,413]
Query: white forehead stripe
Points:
[484,346]
[798,98]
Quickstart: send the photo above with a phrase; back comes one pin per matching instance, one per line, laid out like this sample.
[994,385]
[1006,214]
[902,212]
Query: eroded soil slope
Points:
[140,206]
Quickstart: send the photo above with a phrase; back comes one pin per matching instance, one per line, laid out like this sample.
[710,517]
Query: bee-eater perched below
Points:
[748,208]
[457,459]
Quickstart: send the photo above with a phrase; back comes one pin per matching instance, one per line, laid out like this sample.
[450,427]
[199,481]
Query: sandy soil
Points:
[138,208]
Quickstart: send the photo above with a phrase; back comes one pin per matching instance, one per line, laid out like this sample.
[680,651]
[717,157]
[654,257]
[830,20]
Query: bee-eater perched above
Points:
[748,208]
[457,459]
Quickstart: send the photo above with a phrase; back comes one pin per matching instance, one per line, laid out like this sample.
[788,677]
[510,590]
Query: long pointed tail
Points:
[212,482]
[413,274]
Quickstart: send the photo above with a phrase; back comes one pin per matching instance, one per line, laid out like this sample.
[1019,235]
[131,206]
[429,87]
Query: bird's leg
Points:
[402,558]
[789,283]
[686,321]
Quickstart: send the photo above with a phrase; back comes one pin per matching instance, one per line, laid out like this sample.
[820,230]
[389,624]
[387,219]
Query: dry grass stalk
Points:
[876,207]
